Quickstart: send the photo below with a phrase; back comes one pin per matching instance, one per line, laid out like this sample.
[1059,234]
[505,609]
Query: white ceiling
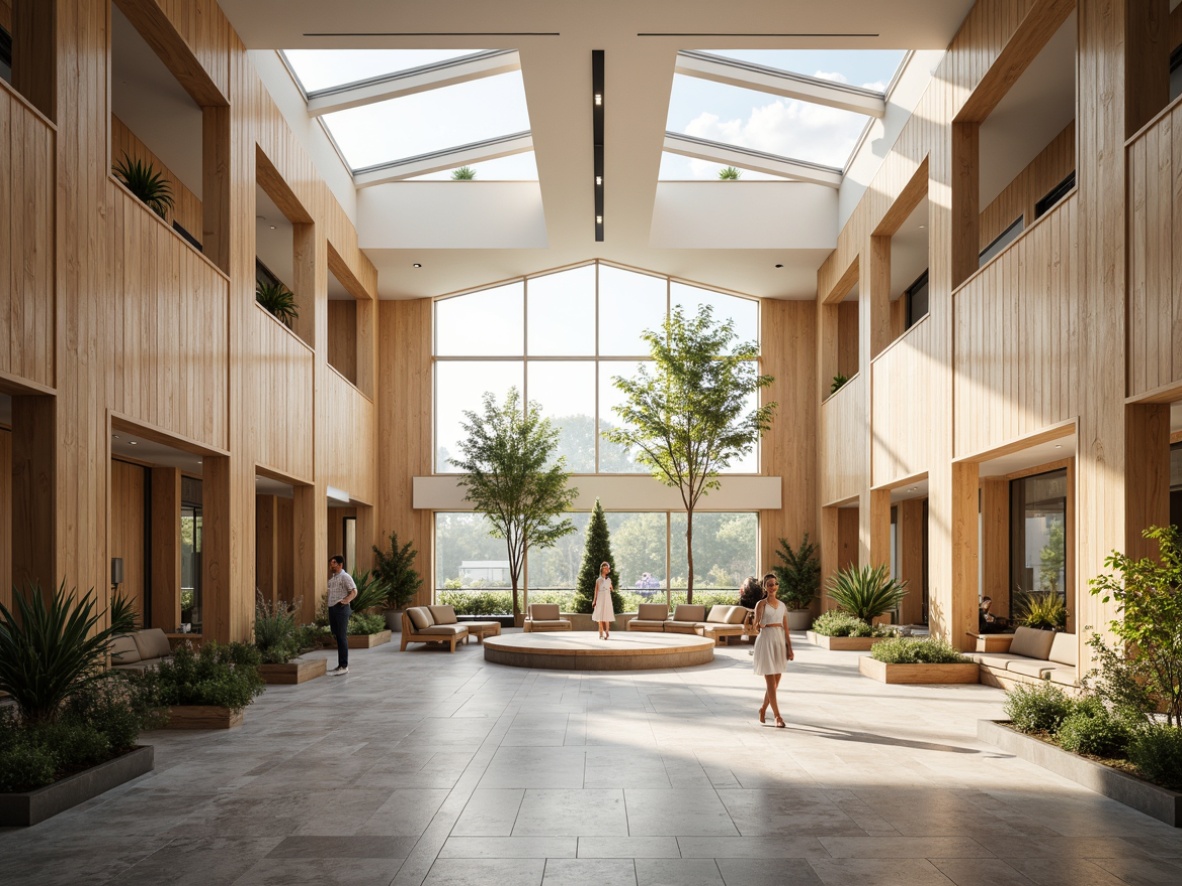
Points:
[555,42]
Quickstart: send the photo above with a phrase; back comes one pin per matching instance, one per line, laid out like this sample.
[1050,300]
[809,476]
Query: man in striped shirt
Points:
[341,591]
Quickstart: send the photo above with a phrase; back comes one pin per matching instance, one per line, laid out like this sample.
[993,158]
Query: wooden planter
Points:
[200,716]
[368,641]
[293,672]
[843,644]
[30,807]
[967,672]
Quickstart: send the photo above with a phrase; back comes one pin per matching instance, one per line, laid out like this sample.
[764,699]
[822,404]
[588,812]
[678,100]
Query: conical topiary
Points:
[596,549]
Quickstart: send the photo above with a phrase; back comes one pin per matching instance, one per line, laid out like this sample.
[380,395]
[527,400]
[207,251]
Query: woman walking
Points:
[773,646]
[601,609]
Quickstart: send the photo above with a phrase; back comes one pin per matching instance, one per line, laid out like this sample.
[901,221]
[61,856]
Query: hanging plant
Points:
[142,179]
[277,299]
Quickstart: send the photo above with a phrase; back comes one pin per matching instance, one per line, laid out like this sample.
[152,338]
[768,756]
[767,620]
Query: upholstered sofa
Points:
[139,651]
[650,617]
[722,622]
[1032,656]
[432,624]
[545,617]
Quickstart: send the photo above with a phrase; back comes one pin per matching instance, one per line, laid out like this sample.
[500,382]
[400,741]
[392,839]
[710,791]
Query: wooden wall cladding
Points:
[843,428]
[5,517]
[342,337]
[1016,330]
[127,528]
[166,326]
[903,412]
[282,372]
[186,210]
[352,437]
[1155,255]
[1053,164]
[27,179]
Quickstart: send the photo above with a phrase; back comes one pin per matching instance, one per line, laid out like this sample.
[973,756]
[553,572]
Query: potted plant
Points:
[209,688]
[365,628]
[917,660]
[394,568]
[799,575]
[142,179]
[278,300]
[841,631]
[281,643]
[70,733]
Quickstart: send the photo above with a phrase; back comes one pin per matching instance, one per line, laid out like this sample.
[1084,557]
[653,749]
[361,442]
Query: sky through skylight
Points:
[319,69]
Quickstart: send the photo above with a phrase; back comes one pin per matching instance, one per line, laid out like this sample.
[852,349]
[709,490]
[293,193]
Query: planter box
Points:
[843,644]
[30,807]
[367,641]
[200,716]
[968,672]
[1160,803]
[799,619]
[393,620]
[294,672]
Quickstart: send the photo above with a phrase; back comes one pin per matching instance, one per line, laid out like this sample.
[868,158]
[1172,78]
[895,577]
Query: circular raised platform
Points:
[584,651]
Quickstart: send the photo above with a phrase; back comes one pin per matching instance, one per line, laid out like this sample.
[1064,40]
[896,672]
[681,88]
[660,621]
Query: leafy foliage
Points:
[918,650]
[838,381]
[360,623]
[1156,751]
[688,419]
[1148,597]
[371,592]
[729,173]
[463,174]
[798,572]
[142,179]
[836,623]
[276,634]
[224,675]
[1043,610]
[1037,707]
[51,648]
[394,568]
[278,300]
[866,592]
[505,475]
[596,549]
[1091,728]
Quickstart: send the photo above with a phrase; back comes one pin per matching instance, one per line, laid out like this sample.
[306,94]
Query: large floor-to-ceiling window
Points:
[561,338]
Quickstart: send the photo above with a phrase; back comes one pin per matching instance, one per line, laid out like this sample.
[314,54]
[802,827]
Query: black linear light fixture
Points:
[597,118]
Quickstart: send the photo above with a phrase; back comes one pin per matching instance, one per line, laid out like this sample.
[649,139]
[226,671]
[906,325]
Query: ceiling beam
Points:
[421,79]
[438,161]
[776,82]
[728,155]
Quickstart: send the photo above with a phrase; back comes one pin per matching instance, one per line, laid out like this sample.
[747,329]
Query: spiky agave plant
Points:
[52,646]
[142,179]
[866,591]
[463,174]
[729,174]
[277,299]
[371,591]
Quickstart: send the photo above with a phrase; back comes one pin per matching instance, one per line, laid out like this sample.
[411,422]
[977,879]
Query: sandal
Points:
[762,713]
[779,722]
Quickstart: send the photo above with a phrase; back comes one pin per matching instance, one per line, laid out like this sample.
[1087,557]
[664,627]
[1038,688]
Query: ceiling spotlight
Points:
[417,265]
[598,99]
[599,219]
[779,266]
[272,227]
[132,443]
[1058,445]
[599,180]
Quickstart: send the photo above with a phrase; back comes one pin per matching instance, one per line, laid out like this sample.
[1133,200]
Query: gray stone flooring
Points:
[430,768]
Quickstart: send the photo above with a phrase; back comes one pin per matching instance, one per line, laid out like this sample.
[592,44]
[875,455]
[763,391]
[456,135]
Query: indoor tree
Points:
[597,549]
[689,417]
[511,478]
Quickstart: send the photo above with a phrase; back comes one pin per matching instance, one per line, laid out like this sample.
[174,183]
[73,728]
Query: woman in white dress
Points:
[601,609]
[773,645]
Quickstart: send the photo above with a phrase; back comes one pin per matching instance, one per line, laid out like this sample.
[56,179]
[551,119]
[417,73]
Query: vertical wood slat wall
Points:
[187,210]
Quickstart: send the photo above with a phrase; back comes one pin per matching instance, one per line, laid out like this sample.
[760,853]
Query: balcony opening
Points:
[909,270]
[351,319]
[27,56]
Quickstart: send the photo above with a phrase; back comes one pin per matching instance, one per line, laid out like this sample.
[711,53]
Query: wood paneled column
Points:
[1147,478]
[909,531]
[954,625]
[995,543]
[165,533]
[34,489]
[310,525]
[266,546]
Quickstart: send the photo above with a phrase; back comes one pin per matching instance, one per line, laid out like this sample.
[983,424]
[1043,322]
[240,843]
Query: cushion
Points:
[1064,676]
[1029,667]
[652,612]
[1064,650]
[999,660]
[686,612]
[444,630]
[1032,643]
[123,650]
[443,615]
[738,615]
[152,643]
[543,611]
[720,615]
[420,617]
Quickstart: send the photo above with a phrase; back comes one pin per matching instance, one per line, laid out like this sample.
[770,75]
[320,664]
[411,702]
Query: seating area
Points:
[140,651]
[1030,656]
[720,625]
[432,624]
[545,617]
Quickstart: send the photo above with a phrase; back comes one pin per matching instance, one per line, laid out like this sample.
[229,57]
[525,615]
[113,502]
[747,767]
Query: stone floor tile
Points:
[322,871]
[510,847]
[777,847]
[628,847]
[904,847]
[490,812]
[767,872]
[506,871]
[677,872]
[979,872]
[343,847]
[1143,871]
[589,872]
[879,872]
[588,812]
[1063,871]
[677,812]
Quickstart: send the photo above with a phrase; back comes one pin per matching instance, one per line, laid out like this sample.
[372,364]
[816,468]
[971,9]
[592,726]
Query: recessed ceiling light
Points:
[599,179]
[417,265]
[598,99]
[599,219]
[1058,445]
[132,443]
[115,436]
[272,227]
[779,266]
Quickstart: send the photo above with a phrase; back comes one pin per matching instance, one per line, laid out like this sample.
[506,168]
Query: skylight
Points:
[320,69]
[435,120]
[867,68]
[517,167]
[675,167]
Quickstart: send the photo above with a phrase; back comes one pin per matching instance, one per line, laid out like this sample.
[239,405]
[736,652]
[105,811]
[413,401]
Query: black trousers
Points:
[338,623]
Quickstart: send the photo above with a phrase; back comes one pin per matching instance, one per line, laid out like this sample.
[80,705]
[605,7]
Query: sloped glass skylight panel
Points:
[868,68]
[435,120]
[771,124]
[516,167]
[675,167]
[319,69]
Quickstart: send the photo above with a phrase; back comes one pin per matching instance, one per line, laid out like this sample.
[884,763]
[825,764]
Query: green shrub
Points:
[274,630]
[371,592]
[1042,610]
[1156,751]
[483,603]
[1091,728]
[25,766]
[1038,707]
[920,650]
[394,568]
[227,676]
[866,591]
[361,623]
[119,706]
[72,744]
[836,623]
